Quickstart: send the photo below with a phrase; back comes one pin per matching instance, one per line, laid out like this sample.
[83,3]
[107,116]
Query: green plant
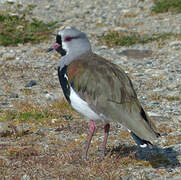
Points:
[115,38]
[22,28]
[162,6]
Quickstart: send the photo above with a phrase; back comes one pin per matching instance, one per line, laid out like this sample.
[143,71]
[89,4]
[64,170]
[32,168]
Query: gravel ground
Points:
[155,70]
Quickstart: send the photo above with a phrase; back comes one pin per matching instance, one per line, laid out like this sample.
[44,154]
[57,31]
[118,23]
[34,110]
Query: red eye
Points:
[68,39]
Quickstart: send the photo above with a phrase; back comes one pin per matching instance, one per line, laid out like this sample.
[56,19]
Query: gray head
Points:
[71,43]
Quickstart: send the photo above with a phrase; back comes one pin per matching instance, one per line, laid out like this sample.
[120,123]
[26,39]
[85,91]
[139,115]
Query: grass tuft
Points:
[115,38]
[19,27]
[34,114]
[162,6]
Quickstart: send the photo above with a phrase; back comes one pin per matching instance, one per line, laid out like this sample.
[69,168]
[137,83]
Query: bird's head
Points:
[71,42]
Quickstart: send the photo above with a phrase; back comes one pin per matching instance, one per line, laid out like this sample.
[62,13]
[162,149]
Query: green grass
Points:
[114,38]
[32,113]
[162,6]
[25,116]
[38,117]
[19,27]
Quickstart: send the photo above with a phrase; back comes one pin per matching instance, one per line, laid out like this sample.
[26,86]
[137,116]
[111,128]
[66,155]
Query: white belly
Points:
[81,106]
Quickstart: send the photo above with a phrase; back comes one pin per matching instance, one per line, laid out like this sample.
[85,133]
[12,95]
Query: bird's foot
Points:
[85,158]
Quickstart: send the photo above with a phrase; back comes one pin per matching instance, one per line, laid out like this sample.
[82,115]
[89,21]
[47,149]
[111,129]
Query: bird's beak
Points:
[56,46]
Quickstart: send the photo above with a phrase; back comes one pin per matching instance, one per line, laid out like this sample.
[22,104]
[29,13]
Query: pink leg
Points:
[91,132]
[106,133]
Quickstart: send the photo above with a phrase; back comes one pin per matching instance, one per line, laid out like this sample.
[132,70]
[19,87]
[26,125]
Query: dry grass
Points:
[160,97]
[36,115]
[125,38]
[17,26]
[58,153]
[129,15]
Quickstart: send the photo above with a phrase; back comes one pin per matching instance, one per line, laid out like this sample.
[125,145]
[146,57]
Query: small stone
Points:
[22,129]
[41,132]
[158,89]
[25,177]
[13,1]
[136,54]
[9,55]
[31,83]
[175,43]
[4,127]
[5,130]
[47,7]
[13,95]
[66,116]
[153,114]
[54,120]
[51,96]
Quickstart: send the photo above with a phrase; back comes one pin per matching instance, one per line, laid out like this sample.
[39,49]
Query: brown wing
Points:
[109,91]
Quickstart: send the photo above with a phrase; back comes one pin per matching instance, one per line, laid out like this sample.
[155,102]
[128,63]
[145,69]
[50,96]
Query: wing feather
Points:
[109,91]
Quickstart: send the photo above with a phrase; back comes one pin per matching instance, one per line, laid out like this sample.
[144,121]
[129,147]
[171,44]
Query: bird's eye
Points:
[68,39]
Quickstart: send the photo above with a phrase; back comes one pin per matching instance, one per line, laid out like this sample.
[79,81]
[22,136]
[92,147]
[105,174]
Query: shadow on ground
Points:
[157,157]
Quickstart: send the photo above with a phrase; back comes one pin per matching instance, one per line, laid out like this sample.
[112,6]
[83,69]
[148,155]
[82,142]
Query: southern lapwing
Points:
[99,90]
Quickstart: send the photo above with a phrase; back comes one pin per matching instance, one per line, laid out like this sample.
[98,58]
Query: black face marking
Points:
[139,141]
[64,82]
[59,39]
[60,49]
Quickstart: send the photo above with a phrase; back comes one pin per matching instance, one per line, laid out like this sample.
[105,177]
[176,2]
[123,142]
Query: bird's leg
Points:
[91,132]
[106,133]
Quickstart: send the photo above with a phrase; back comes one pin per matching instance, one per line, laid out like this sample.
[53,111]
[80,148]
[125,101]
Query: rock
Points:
[158,89]
[125,177]
[40,131]
[47,7]
[3,126]
[14,95]
[175,43]
[153,114]
[22,129]
[51,96]
[66,116]
[5,130]
[9,55]
[25,177]
[136,54]
[154,72]
[31,83]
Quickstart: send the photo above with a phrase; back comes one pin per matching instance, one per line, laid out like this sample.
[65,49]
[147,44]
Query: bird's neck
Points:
[70,57]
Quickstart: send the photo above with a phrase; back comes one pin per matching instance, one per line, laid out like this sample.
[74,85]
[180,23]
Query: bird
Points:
[99,90]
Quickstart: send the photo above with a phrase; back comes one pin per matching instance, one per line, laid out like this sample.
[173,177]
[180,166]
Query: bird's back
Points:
[109,92]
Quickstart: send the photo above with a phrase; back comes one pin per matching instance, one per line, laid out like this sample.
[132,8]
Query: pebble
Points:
[51,96]
[66,116]
[136,54]
[31,83]
[14,95]
[175,43]
[22,129]
[9,55]
[5,130]
[25,177]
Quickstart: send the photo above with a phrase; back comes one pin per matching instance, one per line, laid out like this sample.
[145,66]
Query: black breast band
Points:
[64,82]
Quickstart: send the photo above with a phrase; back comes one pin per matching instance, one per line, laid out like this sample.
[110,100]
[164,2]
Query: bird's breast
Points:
[73,98]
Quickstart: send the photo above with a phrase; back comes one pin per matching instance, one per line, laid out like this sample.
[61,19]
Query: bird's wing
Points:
[109,91]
